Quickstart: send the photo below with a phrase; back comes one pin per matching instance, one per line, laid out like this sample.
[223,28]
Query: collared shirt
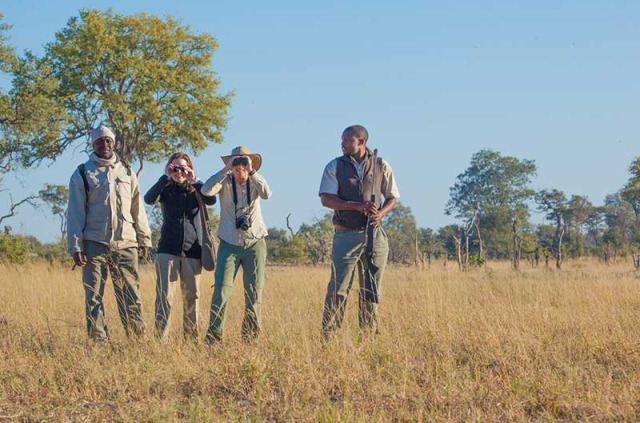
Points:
[329,182]
[227,231]
[110,212]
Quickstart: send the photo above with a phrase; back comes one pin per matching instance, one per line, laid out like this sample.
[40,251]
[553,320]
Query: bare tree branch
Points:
[14,206]
[289,226]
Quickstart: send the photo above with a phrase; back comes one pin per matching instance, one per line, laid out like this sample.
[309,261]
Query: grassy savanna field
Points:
[487,345]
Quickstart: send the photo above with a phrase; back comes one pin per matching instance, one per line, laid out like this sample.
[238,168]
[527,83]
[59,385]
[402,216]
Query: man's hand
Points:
[375,219]
[367,207]
[250,165]
[80,258]
[229,164]
[142,252]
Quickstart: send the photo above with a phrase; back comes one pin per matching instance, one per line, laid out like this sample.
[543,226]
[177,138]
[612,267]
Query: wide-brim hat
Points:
[256,159]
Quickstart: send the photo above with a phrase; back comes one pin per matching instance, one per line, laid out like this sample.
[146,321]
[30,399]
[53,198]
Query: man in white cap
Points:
[241,232]
[107,232]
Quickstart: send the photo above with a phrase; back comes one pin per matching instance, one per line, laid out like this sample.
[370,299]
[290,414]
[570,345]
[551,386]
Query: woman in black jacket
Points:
[178,253]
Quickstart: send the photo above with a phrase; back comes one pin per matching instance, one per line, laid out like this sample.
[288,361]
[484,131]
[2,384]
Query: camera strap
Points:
[235,194]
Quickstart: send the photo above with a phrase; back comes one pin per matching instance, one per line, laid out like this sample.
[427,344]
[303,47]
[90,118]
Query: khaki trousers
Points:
[347,260]
[123,266]
[169,270]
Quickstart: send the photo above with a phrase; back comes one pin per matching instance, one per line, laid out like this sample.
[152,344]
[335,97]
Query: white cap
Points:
[100,132]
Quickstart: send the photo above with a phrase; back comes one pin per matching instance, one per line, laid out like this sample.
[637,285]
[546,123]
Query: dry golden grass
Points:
[488,345]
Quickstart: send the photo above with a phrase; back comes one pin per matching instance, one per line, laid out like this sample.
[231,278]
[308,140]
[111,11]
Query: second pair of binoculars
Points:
[178,168]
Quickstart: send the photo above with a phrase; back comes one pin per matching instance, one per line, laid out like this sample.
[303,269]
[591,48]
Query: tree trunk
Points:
[559,235]
[483,259]
[458,242]
[466,250]
[516,258]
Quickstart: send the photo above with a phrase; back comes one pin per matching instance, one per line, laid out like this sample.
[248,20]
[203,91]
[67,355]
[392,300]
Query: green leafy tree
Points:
[495,188]
[577,218]
[595,227]
[7,58]
[446,238]
[13,248]
[275,240]
[148,79]
[545,235]
[318,238]
[28,112]
[401,228]
[631,190]
[620,232]
[430,245]
[555,205]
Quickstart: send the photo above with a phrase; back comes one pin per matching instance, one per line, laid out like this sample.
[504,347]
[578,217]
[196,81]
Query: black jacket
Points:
[180,217]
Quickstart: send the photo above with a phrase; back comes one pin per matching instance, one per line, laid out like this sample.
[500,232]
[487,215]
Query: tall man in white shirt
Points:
[346,187]
[242,231]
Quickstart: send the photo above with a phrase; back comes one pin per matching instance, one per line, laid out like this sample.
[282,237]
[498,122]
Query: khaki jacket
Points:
[112,213]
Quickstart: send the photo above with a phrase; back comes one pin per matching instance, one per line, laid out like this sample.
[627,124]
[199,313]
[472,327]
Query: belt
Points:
[344,228]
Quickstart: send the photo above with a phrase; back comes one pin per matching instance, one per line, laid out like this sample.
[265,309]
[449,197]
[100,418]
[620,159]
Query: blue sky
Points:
[434,82]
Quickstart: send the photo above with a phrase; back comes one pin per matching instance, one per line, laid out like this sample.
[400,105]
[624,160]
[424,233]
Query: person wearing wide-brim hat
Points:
[242,233]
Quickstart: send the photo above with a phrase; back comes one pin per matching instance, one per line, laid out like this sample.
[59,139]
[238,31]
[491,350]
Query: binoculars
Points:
[240,161]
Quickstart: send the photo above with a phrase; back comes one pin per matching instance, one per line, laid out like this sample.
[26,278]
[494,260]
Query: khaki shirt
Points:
[112,213]
[221,183]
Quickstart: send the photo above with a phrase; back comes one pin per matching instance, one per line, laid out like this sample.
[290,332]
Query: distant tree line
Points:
[150,79]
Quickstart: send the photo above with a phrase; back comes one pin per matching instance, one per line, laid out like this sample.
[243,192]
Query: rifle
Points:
[372,292]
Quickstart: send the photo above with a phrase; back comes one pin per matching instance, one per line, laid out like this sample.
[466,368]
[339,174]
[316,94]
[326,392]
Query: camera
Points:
[243,222]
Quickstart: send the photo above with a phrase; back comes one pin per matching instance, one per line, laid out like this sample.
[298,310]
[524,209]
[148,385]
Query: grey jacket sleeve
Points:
[76,213]
[139,214]
[214,184]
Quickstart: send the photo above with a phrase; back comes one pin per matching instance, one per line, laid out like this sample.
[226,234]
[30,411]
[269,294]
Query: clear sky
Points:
[434,82]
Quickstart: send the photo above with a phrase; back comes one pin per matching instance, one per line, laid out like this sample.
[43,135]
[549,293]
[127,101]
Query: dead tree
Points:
[14,206]
[476,224]
[560,230]
[517,246]
[458,242]
[467,231]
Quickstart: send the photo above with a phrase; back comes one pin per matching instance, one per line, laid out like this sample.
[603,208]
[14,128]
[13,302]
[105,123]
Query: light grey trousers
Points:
[123,266]
[169,270]
[348,260]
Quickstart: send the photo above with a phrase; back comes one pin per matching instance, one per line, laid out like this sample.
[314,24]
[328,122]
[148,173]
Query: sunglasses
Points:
[240,161]
[180,169]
